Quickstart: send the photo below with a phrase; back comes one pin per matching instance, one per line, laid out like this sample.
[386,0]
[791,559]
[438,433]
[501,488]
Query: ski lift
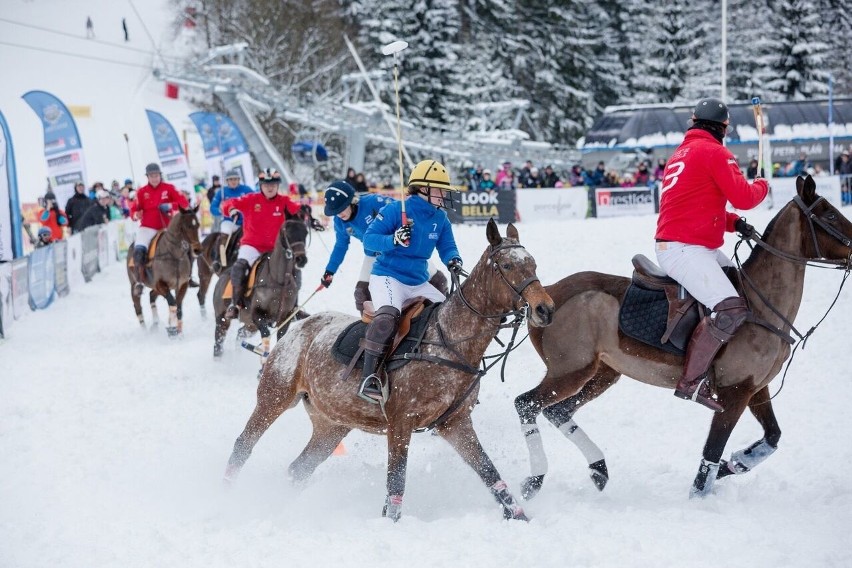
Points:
[309,152]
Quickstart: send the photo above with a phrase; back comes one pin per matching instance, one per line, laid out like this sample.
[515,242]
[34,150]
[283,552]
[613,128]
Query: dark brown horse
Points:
[211,247]
[586,353]
[437,390]
[276,287]
[170,269]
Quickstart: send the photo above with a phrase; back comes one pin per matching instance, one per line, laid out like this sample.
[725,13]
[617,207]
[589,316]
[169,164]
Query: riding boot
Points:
[439,281]
[711,334]
[140,258]
[362,294]
[239,275]
[377,340]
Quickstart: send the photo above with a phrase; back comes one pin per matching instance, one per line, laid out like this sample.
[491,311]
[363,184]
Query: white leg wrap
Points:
[591,452]
[705,479]
[538,459]
[745,460]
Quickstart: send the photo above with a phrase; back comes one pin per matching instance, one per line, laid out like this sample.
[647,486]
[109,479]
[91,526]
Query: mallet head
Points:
[394,47]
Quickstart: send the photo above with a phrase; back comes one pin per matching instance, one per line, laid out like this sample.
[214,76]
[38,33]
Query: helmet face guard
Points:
[447,200]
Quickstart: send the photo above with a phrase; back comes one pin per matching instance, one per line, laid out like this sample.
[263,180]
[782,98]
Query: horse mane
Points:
[767,235]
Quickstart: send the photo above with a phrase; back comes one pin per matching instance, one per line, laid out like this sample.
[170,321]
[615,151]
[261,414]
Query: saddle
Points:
[228,292]
[658,311]
[152,250]
[348,347]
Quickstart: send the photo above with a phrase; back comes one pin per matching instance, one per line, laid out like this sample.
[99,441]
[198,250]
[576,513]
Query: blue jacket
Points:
[369,205]
[431,230]
[225,192]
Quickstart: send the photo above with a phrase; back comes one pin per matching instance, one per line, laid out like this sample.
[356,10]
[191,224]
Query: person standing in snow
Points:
[90,28]
[124,29]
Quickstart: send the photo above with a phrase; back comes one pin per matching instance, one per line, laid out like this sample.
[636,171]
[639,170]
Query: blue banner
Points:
[42,277]
[165,138]
[230,137]
[10,206]
[219,134]
[207,127]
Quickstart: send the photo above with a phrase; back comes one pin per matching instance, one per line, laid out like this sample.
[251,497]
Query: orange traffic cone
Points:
[340,450]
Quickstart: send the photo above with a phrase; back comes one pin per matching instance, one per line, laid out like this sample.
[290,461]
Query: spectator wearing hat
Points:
[52,217]
[550,178]
[524,174]
[486,183]
[123,200]
[597,177]
[642,177]
[505,170]
[577,176]
[533,178]
[44,238]
[751,170]
[77,206]
[152,208]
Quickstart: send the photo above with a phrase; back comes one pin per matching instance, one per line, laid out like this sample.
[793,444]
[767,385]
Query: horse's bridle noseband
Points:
[813,218]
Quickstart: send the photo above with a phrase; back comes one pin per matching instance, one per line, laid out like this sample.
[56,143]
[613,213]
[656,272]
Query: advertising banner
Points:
[75,260]
[170,152]
[224,145]
[553,204]
[10,207]
[60,263]
[42,280]
[20,288]
[477,207]
[6,314]
[103,247]
[784,188]
[90,252]
[63,149]
[624,201]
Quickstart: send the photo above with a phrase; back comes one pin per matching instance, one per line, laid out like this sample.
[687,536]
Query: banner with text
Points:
[63,149]
[42,278]
[20,287]
[225,146]
[60,262]
[784,188]
[10,207]
[479,206]
[6,316]
[170,152]
[624,201]
[89,255]
[553,204]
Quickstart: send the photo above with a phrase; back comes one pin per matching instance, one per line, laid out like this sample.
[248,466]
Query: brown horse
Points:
[276,287]
[585,352]
[170,269]
[438,389]
[210,249]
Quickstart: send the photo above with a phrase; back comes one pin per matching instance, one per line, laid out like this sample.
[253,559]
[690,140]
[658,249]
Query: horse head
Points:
[185,226]
[506,275]
[828,232]
[292,238]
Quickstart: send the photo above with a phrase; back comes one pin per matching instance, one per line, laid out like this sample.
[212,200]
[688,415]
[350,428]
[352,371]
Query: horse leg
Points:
[172,328]
[205,274]
[137,306]
[462,437]
[274,396]
[561,415]
[263,328]
[735,401]
[398,442]
[179,303]
[552,390]
[222,326]
[155,316]
[745,460]
[325,437]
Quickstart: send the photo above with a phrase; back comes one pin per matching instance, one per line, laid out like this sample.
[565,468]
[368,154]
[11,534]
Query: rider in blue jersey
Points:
[401,268]
[352,214]
[232,188]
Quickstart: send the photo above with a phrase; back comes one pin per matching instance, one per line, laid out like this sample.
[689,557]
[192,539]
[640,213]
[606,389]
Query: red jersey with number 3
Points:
[148,201]
[262,217]
[700,178]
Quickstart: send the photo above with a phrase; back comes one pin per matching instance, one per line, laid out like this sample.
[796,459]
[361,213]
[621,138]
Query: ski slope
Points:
[115,440]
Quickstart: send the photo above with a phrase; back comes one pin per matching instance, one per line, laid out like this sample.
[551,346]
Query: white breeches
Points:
[388,291]
[698,269]
[144,236]
[248,253]
[227,227]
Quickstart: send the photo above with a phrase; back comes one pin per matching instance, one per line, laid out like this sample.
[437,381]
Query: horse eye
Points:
[831,217]
[507,266]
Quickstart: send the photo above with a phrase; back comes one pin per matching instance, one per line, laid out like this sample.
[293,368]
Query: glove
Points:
[402,236]
[316,225]
[165,207]
[743,228]
[326,279]
[455,266]
[234,215]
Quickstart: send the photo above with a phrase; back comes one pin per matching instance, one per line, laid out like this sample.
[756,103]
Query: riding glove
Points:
[455,265]
[165,207]
[234,215]
[316,225]
[402,236]
[326,279]
[743,228]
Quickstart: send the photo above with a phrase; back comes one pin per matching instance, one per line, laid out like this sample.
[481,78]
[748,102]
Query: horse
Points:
[436,390]
[585,352]
[275,291]
[206,265]
[170,269]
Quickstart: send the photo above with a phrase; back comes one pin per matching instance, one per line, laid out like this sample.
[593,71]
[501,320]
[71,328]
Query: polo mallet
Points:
[758,123]
[258,348]
[394,48]
[130,161]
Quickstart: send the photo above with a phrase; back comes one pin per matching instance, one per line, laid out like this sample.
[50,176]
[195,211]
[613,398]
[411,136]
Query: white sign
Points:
[623,201]
[783,190]
[552,204]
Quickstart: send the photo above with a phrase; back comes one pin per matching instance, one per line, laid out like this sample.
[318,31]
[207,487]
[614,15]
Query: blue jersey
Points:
[369,205]
[431,230]
[225,192]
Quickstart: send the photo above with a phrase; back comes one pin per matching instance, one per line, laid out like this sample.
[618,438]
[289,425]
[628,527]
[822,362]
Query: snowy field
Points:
[114,442]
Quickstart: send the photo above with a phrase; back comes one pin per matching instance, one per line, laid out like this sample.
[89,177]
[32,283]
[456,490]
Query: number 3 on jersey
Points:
[673,170]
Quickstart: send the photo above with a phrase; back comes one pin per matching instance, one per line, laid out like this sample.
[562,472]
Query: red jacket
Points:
[701,176]
[262,217]
[53,219]
[148,201]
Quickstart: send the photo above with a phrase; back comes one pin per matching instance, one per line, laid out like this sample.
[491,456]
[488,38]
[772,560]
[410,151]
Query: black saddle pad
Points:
[347,343]
[643,316]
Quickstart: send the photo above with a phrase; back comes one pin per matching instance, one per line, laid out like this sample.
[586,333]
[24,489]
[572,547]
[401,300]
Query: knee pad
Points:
[730,314]
[384,324]
[241,266]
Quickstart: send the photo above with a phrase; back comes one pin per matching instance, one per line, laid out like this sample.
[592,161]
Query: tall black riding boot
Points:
[239,275]
[377,340]
[140,258]
[711,334]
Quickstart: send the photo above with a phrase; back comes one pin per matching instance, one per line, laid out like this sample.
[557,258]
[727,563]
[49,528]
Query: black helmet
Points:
[711,109]
[269,175]
[152,168]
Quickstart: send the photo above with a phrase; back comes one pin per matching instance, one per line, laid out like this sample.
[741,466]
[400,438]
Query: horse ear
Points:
[806,188]
[512,232]
[493,233]
[195,209]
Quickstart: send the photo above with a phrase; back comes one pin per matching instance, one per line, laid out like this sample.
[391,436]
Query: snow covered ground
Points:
[114,441]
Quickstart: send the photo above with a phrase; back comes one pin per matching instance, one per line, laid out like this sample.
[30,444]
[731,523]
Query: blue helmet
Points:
[44,232]
[338,197]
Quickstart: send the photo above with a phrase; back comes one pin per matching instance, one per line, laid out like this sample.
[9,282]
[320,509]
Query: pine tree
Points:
[837,24]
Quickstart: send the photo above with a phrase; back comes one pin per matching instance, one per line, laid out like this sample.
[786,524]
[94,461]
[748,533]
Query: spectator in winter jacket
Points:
[798,167]
[98,213]
[77,206]
[507,181]
[533,178]
[701,177]
[360,184]
[549,179]
[577,176]
[350,177]
[524,175]
[152,208]
[486,183]
[505,170]
[845,164]
[642,177]
[596,177]
[751,170]
[263,214]
[661,167]
[401,269]
[52,217]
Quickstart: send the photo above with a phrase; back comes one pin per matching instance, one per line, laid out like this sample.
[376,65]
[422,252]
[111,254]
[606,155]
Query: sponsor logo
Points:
[608,198]
[257,207]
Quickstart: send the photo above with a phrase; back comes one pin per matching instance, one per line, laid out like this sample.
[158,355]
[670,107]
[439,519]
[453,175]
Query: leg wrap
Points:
[590,450]
[747,459]
[538,459]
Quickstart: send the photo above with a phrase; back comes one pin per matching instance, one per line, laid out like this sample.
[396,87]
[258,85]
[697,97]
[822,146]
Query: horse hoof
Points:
[203,313]
[531,486]
[218,350]
[599,474]
[703,484]
[724,470]
[173,332]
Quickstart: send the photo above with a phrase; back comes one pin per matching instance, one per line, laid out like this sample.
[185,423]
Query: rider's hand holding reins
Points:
[165,207]
[455,265]
[402,236]
[743,228]
[234,215]
[326,279]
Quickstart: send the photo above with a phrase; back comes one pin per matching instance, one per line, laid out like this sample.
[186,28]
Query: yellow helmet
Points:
[430,173]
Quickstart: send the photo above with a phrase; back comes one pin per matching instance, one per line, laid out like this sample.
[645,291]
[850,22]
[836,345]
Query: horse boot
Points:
[377,339]
[711,334]
[192,283]
[239,275]
[140,258]
[362,294]
[439,281]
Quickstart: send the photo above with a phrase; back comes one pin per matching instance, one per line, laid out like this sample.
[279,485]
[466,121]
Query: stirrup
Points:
[697,396]
[373,390]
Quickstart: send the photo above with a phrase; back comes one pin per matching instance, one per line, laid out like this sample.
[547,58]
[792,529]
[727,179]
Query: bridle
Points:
[291,249]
